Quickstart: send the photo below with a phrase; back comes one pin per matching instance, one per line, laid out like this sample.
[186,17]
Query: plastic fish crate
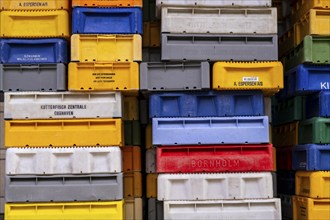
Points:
[284,158]
[132,185]
[106,48]
[35,77]
[148,136]
[155,209]
[313,184]
[34,24]
[131,159]
[150,160]
[286,43]
[210,130]
[286,206]
[307,208]
[64,188]
[315,130]
[131,108]
[174,76]
[132,134]
[318,105]
[33,51]
[149,10]
[63,133]
[214,186]
[266,76]
[134,209]
[289,110]
[112,76]
[268,108]
[232,158]
[151,34]
[107,3]
[43,105]
[34,5]
[217,20]
[286,182]
[107,20]
[151,54]
[285,135]
[311,157]
[223,209]
[63,211]
[217,47]
[206,104]
[152,186]
[301,7]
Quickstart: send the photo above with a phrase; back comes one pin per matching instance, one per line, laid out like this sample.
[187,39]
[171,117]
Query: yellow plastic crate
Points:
[106,48]
[65,211]
[131,108]
[313,184]
[132,185]
[152,185]
[266,76]
[62,133]
[315,22]
[301,7]
[148,135]
[134,209]
[117,76]
[305,208]
[151,34]
[285,135]
[106,3]
[34,4]
[35,23]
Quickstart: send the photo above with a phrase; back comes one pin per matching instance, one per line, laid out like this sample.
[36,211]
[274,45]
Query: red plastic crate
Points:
[222,158]
[284,158]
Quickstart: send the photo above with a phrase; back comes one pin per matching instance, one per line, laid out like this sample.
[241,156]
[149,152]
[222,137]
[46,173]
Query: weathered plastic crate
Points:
[106,48]
[107,20]
[301,7]
[210,130]
[289,110]
[286,206]
[150,160]
[151,34]
[155,209]
[134,209]
[305,208]
[132,185]
[174,75]
[35,77]
[315,130]
[148,136]
[313,184]
[285,135]
[131,159]
[34,5]
[64,133]
[284,158]
[206,104]
[69,188]
[34,23]
[311,157]
[318,105]
[54,161]
[286,182]
[121,76]
[218,20]
[152,185]
[151,54]
[132,134]
[62,211]
[107,3]
[266,76]
[131,108]
[217,47]
[315,22]
[286,43]
[149,10]
[233,158]
[33,51]
[214,186]
[43,105]
[268,108]
[223,209]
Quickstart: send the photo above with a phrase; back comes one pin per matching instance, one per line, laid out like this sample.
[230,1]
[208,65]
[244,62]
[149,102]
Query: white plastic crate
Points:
[75,160]
[215,186]
[262,209]
[219,20]
[151,160]
[44,105]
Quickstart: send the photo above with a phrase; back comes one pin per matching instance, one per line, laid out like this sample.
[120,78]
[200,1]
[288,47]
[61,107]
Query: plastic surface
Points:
[311,157]
[286,43]
[131,108]
[64,211]
[34,5]
[151,183]
[36,77]
[151,54]
[33,51]
[318,105]
[313,184]
[217,47]
[155,209]
[301,7]
[64,188]
[34,24]
[216,20]
[149,10]
[285,135]
[286,206]
[134,209]
[289,110]
[132,134]
[284,158]
[286,182]
[150,160]
[43,105]
[315,130]
[210,130]
[106,3]
[52,161]
[131,158]
[63,133]
[233,158]
[132,185]
[215,186]
[107,20]
[306,208]
[174,76]
[106,48]
[151,34]
[206,104]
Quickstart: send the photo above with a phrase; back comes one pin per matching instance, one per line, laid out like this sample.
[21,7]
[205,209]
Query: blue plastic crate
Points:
[33,51]
[206,104]
[318,105]
[311,157]
[210,130]
[286,182]
[107,20]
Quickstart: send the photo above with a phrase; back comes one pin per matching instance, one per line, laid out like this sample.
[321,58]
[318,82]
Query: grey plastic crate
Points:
[40,77]
[174,76]
[151,54]
[219,47]
[64,188]
[155,209]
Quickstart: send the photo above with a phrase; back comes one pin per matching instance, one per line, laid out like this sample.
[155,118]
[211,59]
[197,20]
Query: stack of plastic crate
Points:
[106,47]
[2,160]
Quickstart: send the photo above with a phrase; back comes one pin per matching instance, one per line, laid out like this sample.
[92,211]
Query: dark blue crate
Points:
[206,104]
[305,79]
[33,51]
[107,20]
[286,182]
[318,105]
[311,157]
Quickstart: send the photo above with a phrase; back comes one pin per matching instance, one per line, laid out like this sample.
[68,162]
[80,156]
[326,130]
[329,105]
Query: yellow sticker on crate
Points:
[34,4]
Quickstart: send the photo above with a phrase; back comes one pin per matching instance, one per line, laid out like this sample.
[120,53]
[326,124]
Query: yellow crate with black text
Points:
[134,209]
[132,159]
[34,4]
[305,208]
[313,184]
[132,185]
[152,185]
[151,34]
[131,108]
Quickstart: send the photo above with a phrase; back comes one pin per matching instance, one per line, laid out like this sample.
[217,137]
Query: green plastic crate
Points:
[132,133]
[289,110]
[314,131]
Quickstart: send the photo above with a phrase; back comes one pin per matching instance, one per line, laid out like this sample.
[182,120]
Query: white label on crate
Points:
[325,85]
[250,79]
